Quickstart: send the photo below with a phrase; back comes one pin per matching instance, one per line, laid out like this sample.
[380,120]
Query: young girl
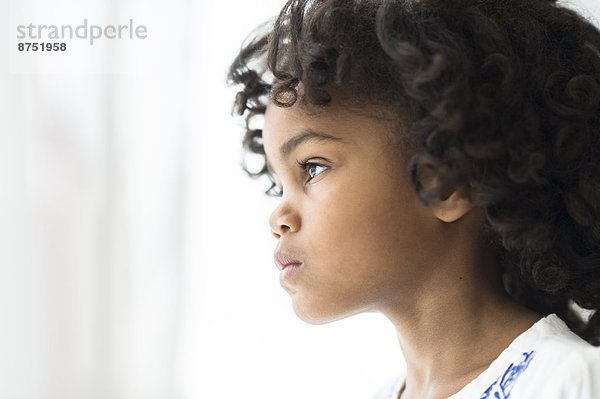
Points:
[438,162]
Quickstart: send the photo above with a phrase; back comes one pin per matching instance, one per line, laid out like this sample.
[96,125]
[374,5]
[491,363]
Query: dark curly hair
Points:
[501,99]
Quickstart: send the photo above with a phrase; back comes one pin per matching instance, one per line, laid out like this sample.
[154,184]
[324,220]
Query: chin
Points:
[318,313]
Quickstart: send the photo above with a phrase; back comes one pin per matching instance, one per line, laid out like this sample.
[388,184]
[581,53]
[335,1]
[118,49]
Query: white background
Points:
[135,255]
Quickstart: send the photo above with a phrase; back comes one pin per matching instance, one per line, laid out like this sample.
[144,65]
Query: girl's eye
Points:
[311,169]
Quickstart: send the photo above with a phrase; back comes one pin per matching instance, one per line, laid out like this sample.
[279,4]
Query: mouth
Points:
[283,260]
[287,265]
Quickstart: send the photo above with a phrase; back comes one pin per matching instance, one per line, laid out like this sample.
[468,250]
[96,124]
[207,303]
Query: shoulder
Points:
[547,361]
[562,365]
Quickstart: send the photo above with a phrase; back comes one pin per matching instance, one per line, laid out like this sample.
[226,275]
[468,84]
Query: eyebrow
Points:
[302,137]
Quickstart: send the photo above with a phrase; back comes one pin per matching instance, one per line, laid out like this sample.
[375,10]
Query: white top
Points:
[547,361]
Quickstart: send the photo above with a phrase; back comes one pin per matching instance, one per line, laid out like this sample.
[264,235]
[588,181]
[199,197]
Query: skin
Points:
[367,245]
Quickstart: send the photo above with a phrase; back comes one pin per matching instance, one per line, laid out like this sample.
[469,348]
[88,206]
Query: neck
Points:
[458,323]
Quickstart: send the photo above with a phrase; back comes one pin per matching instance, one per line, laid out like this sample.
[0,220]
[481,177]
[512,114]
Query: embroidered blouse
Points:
[546,361]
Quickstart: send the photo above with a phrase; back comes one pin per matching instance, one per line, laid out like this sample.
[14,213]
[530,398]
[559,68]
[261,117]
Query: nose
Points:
[284,220]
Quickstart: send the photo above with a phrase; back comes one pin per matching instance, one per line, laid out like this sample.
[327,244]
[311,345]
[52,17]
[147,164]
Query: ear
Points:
[452,208]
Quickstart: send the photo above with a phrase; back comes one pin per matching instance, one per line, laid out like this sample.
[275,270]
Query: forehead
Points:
[283,118]
[282,123]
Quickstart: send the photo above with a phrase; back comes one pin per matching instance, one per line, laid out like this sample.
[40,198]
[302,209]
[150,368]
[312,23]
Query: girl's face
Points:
[347,213]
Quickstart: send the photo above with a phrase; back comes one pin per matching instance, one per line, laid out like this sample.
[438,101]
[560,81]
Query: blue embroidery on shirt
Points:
[502,387]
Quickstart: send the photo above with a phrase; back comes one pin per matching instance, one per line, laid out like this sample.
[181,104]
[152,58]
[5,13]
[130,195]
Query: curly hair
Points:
[502,101]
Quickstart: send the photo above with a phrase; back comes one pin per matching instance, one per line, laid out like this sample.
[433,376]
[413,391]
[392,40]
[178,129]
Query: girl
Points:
[438,162]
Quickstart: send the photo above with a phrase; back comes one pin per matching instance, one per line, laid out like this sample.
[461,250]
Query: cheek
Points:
[378,216]
[359,223]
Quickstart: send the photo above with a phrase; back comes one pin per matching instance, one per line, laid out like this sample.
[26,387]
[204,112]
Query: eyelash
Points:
[273,191]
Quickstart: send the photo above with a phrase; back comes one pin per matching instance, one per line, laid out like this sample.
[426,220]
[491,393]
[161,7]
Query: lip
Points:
[283,260]
[287,265]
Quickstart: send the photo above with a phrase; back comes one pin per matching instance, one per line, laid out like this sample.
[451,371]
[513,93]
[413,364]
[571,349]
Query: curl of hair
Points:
[503,102]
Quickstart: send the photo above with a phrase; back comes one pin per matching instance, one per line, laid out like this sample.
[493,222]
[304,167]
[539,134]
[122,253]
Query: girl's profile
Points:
[438,162]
